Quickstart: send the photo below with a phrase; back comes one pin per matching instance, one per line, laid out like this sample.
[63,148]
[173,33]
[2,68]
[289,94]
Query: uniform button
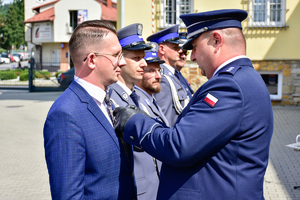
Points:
[131,137]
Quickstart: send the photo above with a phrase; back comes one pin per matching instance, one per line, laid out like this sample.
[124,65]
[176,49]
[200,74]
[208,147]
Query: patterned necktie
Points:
[134,98]
[183,82]
[109,108]
[125,146]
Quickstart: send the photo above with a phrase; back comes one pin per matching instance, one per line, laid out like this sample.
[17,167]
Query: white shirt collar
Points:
[93,90]
[172,69]
[227,62]
[127,90]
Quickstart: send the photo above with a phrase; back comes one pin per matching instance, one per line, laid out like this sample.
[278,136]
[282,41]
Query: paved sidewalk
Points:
[283,172]
[23,168]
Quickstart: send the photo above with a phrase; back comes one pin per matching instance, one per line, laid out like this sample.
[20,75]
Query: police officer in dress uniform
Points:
[122,93]
[133,47]
[173,96]
[150,84]
[178,74]
[219,146]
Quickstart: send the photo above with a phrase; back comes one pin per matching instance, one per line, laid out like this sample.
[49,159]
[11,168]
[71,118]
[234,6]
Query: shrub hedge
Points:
[6,75]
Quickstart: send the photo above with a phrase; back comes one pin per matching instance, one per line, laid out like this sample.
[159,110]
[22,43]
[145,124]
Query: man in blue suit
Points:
[173,96]
[85,158]
[219,146]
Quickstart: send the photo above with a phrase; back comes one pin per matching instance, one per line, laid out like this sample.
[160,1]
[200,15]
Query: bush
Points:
[18,71]
[6,75]
[58,73]
[24,76]
[41,74]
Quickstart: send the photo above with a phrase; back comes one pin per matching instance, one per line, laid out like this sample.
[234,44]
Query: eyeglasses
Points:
[118,56]
[185,52]
[152,71]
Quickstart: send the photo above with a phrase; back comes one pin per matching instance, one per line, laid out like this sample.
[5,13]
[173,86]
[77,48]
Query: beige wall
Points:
[138,11]
[270,44]
[62,16]
[48,50]
[262,43]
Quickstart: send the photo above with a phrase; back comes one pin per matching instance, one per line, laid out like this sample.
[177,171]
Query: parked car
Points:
[5,58]
[65,78]
[20,57]
[11,58]
[16,58]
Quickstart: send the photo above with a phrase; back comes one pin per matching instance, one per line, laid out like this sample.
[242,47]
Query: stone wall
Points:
[290,84]
[193,75]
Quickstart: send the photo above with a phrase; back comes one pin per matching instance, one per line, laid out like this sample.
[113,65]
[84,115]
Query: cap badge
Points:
[140,29]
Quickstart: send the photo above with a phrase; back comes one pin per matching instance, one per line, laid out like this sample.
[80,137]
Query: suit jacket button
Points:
[131,137]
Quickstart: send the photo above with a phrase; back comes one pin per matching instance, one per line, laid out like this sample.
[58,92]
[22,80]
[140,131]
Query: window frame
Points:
[267,11]
[277,96]
[175,8]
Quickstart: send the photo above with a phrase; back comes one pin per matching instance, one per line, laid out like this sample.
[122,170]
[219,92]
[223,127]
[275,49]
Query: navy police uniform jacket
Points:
[145,172]
[219,146]
[164,97]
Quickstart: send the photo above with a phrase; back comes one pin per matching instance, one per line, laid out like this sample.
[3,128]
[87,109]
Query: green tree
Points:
[13,26]
[2,17]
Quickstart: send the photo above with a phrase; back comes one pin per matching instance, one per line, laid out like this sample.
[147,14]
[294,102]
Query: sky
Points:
[7,1]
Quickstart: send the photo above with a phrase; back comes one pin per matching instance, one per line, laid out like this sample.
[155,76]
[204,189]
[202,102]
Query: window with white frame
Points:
[172,9]
[273,81]
[267,13]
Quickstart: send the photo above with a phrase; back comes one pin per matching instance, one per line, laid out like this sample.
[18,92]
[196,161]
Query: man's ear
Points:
[161,49]
[217,39]
[92,62]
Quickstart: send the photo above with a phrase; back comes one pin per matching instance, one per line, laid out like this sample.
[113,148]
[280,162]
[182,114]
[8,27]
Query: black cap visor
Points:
[137,46]
[175,40]
[188,44]
[154,59]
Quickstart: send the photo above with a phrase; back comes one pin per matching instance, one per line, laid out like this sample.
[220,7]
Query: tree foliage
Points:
[12,25]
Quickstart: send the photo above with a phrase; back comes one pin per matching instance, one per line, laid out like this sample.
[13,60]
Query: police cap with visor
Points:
[130,37]
[169,34]
[197,23]
[151,54]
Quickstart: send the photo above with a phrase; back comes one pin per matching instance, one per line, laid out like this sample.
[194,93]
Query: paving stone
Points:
[22,162]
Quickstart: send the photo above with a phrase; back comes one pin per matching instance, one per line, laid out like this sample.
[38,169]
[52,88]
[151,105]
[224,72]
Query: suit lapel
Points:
[94,109]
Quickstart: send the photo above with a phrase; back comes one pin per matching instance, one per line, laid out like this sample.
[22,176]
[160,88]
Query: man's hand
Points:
[122,115]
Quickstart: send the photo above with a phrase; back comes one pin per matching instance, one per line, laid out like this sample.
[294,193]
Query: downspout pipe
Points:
[122,13]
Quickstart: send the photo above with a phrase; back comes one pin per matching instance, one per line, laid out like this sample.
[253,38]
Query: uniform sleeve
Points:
[200,131]
[65,155]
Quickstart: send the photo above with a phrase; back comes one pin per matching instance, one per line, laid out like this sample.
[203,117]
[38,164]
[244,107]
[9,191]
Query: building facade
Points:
[270,30]
[49,25]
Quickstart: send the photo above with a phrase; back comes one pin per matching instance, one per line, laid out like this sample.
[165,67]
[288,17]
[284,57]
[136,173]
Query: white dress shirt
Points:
[96,93]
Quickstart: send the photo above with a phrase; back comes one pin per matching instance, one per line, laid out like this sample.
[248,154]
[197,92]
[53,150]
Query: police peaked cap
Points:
[151,54]
[169,34]
[198,23]
[130,37]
